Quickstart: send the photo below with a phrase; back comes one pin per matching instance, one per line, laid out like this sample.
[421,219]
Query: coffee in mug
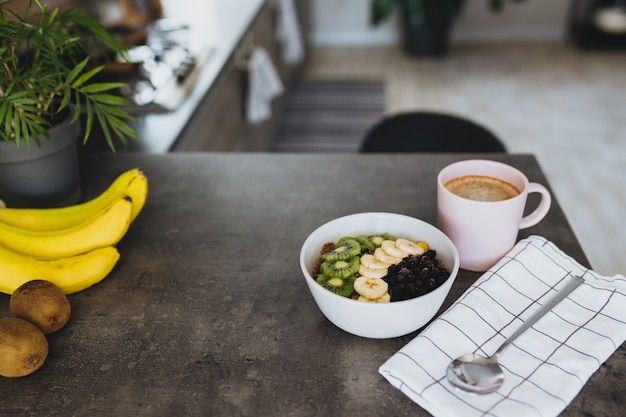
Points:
[481,188]
[480,206]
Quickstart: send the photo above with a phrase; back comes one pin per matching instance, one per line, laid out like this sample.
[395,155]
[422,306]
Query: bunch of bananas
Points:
[73,246]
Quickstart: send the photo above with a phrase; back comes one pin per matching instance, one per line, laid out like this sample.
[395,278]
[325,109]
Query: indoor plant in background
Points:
[46,83]
[425,24]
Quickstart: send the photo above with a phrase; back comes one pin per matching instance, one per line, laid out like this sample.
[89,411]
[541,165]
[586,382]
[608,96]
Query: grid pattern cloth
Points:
[546,366]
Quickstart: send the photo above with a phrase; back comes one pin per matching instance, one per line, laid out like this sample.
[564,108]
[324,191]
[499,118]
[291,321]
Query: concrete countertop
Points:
[218,27]
[207,312]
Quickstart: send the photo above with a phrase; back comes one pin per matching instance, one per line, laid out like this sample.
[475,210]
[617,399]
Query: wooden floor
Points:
[568,107]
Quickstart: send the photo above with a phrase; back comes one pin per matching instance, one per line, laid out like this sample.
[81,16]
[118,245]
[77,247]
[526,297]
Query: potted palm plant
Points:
[47,83]
[425,24]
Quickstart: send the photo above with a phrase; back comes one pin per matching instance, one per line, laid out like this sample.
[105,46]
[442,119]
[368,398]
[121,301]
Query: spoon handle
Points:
[572,283]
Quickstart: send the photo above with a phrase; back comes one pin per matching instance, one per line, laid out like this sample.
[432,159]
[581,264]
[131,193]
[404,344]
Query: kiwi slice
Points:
[369,243]
[378,240]
[343,239]
[340,286]
[366,244]
[342,268]
[345,249]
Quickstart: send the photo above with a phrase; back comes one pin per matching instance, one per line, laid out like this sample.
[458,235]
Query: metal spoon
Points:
[480,375]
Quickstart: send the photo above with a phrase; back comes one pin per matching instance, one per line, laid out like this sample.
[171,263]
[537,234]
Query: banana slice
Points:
[384,257]
[384,299]
[371,288]
[410,247]
[370,261]
[372,273]
[390,248]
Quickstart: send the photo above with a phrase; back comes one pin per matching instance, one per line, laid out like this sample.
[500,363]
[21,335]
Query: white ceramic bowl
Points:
[378,320]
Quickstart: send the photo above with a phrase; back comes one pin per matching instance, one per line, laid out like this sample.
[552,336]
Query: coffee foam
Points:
[481,188]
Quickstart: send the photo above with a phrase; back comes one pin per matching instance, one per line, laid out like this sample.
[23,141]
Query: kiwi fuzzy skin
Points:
[41,303]
[23,347]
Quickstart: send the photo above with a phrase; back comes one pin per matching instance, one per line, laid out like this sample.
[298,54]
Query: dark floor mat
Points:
[329,115]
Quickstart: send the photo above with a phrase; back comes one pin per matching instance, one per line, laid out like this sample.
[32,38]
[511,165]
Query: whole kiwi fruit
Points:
[23,347]
[41,303]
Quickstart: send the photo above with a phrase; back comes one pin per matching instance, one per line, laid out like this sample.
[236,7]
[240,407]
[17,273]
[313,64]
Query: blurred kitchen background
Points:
[547,76]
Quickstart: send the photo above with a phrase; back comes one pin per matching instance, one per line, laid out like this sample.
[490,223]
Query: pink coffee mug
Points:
[484,231]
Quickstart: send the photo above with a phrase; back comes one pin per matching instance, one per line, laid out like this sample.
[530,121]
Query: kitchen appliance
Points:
[163,56]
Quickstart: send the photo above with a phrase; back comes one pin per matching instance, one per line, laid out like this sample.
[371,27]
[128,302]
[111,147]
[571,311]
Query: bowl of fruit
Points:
[379,275]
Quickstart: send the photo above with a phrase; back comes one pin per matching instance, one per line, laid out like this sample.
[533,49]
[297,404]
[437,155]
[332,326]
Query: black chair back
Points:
[429,132]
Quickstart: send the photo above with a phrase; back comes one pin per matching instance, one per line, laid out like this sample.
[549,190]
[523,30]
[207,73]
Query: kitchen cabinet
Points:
[209,110]
[258,137]
[219,122]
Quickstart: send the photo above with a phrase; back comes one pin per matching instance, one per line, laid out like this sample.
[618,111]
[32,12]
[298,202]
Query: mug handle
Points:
[541,210]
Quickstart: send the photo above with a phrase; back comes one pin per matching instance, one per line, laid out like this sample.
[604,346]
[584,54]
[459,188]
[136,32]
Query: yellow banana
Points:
[364,271]
[104,229]
[385,298]
[384,257]
[413,248]
[132,182]
[71,274]
[370,261]
[390,247]
[371,288]
[138,192]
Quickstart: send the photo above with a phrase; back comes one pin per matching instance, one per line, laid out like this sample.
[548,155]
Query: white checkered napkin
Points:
[545,367]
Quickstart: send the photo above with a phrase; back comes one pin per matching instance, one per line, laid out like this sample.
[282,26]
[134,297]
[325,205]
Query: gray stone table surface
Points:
[207,312]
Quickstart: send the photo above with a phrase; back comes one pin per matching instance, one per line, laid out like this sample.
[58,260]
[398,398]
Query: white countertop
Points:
[218,27]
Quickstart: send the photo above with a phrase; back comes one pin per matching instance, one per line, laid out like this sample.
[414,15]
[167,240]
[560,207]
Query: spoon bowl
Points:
[483,375]
[475,373]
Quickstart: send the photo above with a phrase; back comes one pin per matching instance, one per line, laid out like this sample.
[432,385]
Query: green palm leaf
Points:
[46,64]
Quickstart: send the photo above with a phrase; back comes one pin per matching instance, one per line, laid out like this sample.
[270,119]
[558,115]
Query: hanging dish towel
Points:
[288,33]
[546,366]
[264,85]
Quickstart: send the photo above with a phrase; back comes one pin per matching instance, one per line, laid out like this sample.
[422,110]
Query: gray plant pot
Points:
[46,176]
